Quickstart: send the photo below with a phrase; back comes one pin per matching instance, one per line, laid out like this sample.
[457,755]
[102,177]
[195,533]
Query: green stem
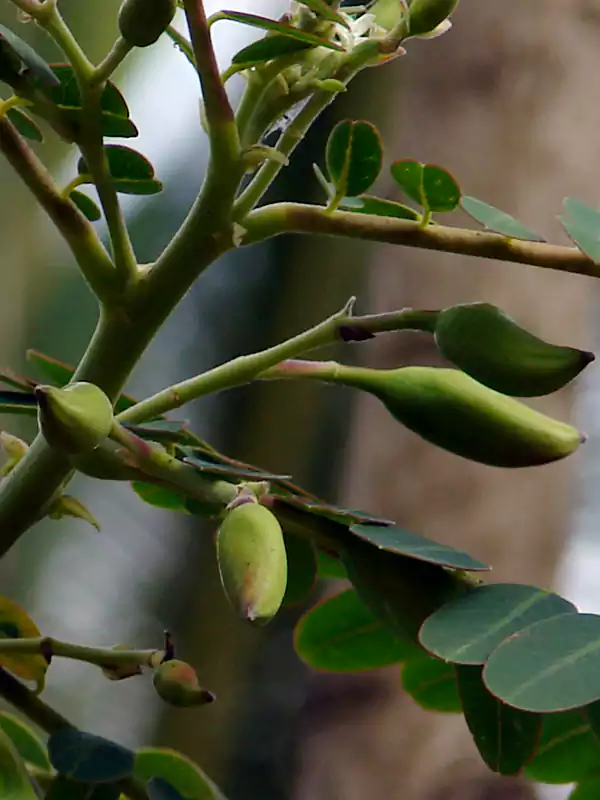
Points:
[49,720]
[98,656]
[116,55]
[342,326]
[78,233]
[92,148]
[297,129]
[273,220]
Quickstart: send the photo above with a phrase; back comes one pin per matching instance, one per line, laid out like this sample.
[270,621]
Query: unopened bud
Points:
[426,15]
[141,22]
[176,683]
[75,419]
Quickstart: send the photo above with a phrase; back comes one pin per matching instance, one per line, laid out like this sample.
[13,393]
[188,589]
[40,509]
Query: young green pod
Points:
[176,683]
[426,15]
[75,419]
[451,410]
[487,344]
[141,22]
[252,561]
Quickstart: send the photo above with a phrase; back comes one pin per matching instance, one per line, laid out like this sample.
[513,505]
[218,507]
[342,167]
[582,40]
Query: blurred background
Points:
[505,102]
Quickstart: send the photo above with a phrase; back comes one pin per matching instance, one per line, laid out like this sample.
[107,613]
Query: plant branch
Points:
[279,218]
[92,148]
[342,326]
[78,233]
[105,657]
[49,720]
[116,55]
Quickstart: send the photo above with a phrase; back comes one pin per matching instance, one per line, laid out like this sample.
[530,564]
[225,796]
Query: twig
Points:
[273,220]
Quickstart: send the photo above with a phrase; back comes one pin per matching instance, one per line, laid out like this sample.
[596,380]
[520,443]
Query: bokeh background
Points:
[504,101]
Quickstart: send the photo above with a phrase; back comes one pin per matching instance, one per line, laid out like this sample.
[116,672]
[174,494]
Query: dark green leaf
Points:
[567,750]
[440,190]
[345,516]
[65,789]
[354,155]
[397,540]
[159,497]
[382,208]
[408,174]
[89,758]
[17,403]
[504,736]
[302,569]
[592,714]
[553,665]
[130,171]
[330,567]
[432,684]
[86,205]
[401,591]
[31,62]
[26,742]
[25,125]
[276,27]
[204,465]
[167,431]
[10,378]
[342,635]
[497,221]
[466,630]
[268,48]
[14,780]
[185,776]
[159,789]
[587,790]
[583,227]
[49,369]
[67,94]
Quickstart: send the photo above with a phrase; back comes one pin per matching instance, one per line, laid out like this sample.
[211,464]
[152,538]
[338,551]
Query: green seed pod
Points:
[141,22]
[177,684]
[75,419]
[252,562]
[426,15]
[451,410]
[487,344]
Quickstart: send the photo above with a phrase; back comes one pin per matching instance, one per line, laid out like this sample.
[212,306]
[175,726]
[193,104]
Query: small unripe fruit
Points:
[426,15]
[252,562]
[176,683]
[141,22]
[76,419]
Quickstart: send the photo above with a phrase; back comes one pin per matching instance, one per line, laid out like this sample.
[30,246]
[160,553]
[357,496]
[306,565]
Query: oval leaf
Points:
[26,742]
[567,750]
[86,205]
[553,665]
[15,624]
[466,630]
[504,736]
[440,190]
[497,221]
[268,48]
[302,569]
[186,777]
[382,208]
[14,780]
[432,684]
[159,497]
[130,171]
[408,174]
[397,540]
[88,758]
[342,635]
[354,155]
[275,27]
[25,125]
[583,227]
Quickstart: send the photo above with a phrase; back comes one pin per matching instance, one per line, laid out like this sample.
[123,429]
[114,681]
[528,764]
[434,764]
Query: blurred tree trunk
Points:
[501,102]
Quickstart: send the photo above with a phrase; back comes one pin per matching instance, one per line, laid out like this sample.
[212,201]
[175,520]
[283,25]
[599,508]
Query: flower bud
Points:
[141,22]
[177,684]
[252,561]
[75,419]
[426,15]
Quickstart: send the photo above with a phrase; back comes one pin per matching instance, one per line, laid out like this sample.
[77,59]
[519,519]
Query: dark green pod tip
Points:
[487,344]
[176,683]
[426,15]
[141,22]
[76,419]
